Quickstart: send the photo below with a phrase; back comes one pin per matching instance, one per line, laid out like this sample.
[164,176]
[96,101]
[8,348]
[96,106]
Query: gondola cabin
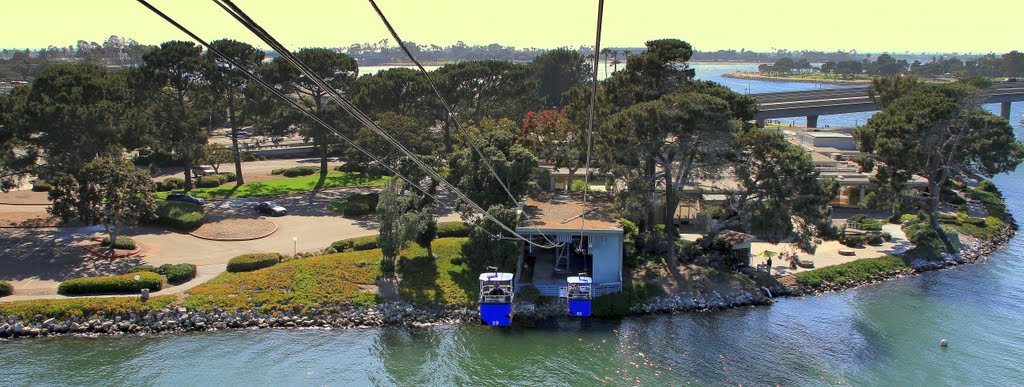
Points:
[496,295]
[578,295]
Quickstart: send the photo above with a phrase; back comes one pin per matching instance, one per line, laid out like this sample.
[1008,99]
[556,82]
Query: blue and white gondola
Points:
[579,296]
[496,299]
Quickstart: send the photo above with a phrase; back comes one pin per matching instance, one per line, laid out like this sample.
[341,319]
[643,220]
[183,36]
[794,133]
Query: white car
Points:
[203,170]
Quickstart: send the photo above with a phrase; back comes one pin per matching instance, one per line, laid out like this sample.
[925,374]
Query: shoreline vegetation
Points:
[433,291]
[800,78]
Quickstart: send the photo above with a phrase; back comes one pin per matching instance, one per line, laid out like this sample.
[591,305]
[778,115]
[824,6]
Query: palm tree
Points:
[606,52]
[615,60]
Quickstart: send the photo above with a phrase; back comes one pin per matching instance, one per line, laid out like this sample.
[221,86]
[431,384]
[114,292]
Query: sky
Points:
[978,26]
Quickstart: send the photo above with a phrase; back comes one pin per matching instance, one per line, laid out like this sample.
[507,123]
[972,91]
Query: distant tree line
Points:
[1008,65]
[115,51]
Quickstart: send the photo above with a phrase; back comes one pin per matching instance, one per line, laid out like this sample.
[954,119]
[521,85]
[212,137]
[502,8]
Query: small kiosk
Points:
[579,295]
[496,293]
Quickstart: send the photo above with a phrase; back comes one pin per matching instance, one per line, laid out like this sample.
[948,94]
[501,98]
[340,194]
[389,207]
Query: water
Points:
[885,334]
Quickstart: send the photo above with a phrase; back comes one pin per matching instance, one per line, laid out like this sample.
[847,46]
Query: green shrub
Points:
[304,170]
[988,186]
[909,218]
[229,176]
[364,243]
[179,215]
[853,241]
[453,229]
[125,283]
[858,218]
[173,183]
[616,305]
[858,270]
[149,268]
[886,236]
[6,289]
[178,273]
[578,185]
[356,209]
[211,181]
[41,186]
[875,239]
[870,225]
[250,262]
[123,242]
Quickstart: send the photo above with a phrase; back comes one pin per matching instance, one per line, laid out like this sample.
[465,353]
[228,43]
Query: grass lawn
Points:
[339,279]
[858,270]
[338,205]
[334,179]
[81,307]
[975,227]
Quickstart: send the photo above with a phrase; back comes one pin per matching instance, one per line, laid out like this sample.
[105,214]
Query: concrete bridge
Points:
[813,103]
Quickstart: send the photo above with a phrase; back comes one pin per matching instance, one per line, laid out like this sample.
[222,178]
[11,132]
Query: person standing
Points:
[769,265]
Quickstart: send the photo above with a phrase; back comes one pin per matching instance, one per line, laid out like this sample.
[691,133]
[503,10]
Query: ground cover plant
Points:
[341,278]
[859,270]
[83,307]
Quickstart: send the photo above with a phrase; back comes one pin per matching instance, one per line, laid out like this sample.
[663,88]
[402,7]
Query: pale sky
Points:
[865,25]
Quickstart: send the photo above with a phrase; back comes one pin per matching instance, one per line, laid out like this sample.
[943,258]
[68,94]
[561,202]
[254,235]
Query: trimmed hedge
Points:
[41,186]
[125,283]
[859,270]
[211,181]
[304,170]
[123,242]
[6,289]
[250,262]
[229,176]
[176,273]
[453,230]
[356,244]
[179,215]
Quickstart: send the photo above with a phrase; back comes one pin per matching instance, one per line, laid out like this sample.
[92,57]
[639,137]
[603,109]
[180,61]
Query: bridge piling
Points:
[1004,109]
[812,121]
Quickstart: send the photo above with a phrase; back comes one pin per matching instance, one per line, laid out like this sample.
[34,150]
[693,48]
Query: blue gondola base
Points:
[579,296]
[496,294]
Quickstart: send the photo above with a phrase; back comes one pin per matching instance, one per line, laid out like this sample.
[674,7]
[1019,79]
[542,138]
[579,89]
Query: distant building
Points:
[591,245]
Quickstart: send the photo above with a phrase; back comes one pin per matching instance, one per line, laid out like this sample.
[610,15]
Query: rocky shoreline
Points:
[180,319]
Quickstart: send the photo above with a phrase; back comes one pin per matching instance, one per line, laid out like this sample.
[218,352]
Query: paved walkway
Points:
[35,261]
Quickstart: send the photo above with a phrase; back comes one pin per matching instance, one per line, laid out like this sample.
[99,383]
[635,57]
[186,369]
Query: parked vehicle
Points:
[271,208]
[203,170]
[184,197]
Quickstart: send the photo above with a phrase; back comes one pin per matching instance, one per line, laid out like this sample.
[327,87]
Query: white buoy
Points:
[943,343]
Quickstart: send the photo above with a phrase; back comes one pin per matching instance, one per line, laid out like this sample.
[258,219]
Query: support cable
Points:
[346,105]
[451,116]
[294,105]
[590,122]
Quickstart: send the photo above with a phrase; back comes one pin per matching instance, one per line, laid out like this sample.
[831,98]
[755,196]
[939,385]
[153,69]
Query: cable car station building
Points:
[591,245]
